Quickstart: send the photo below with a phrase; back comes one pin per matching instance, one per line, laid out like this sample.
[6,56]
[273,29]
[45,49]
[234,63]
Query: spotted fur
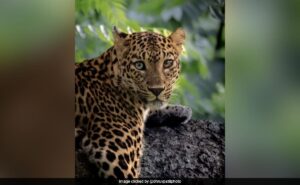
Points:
[114,92]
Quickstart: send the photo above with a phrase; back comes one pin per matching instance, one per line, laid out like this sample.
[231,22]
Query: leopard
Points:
[116,91]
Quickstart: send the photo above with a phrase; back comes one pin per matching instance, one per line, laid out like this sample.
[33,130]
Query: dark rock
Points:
[191,150]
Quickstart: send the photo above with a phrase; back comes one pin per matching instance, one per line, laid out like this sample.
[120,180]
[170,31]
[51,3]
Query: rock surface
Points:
[191,150]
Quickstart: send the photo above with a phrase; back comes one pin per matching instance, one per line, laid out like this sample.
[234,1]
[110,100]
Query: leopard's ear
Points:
[178,38]
[121,43]
[119,37]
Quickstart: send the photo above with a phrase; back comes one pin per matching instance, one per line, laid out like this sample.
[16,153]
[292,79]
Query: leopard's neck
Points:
[102,68]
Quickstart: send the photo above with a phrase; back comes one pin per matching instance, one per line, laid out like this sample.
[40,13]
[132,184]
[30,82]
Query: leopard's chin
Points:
[156,104]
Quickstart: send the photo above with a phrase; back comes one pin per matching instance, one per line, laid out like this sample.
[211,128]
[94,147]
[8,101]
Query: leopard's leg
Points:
[93,153]
[107,162]
[170,115]
[79,135]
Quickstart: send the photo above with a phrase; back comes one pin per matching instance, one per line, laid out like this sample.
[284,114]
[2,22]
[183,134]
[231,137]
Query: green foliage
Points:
[201,84]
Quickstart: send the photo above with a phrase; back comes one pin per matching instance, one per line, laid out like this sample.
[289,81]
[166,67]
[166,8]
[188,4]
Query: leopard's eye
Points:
[140,65]
[168,63]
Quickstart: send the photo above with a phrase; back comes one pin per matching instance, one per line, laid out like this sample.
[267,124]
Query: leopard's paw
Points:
[171,115]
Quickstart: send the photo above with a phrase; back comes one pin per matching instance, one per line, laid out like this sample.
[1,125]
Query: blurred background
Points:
[262,83]
[37,88]
[201,84]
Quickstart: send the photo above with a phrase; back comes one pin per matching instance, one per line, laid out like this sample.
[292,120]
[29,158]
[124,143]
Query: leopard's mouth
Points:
[156,104]
[153,102]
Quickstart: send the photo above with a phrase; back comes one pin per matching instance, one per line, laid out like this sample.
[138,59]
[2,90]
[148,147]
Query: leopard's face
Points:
[149,66]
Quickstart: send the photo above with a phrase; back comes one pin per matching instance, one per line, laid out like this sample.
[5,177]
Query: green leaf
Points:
[151,6]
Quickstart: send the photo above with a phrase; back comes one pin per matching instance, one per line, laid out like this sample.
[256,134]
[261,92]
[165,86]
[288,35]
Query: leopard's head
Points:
[149,64]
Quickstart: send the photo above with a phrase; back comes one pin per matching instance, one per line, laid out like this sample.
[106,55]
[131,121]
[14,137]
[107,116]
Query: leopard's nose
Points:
[156,90]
